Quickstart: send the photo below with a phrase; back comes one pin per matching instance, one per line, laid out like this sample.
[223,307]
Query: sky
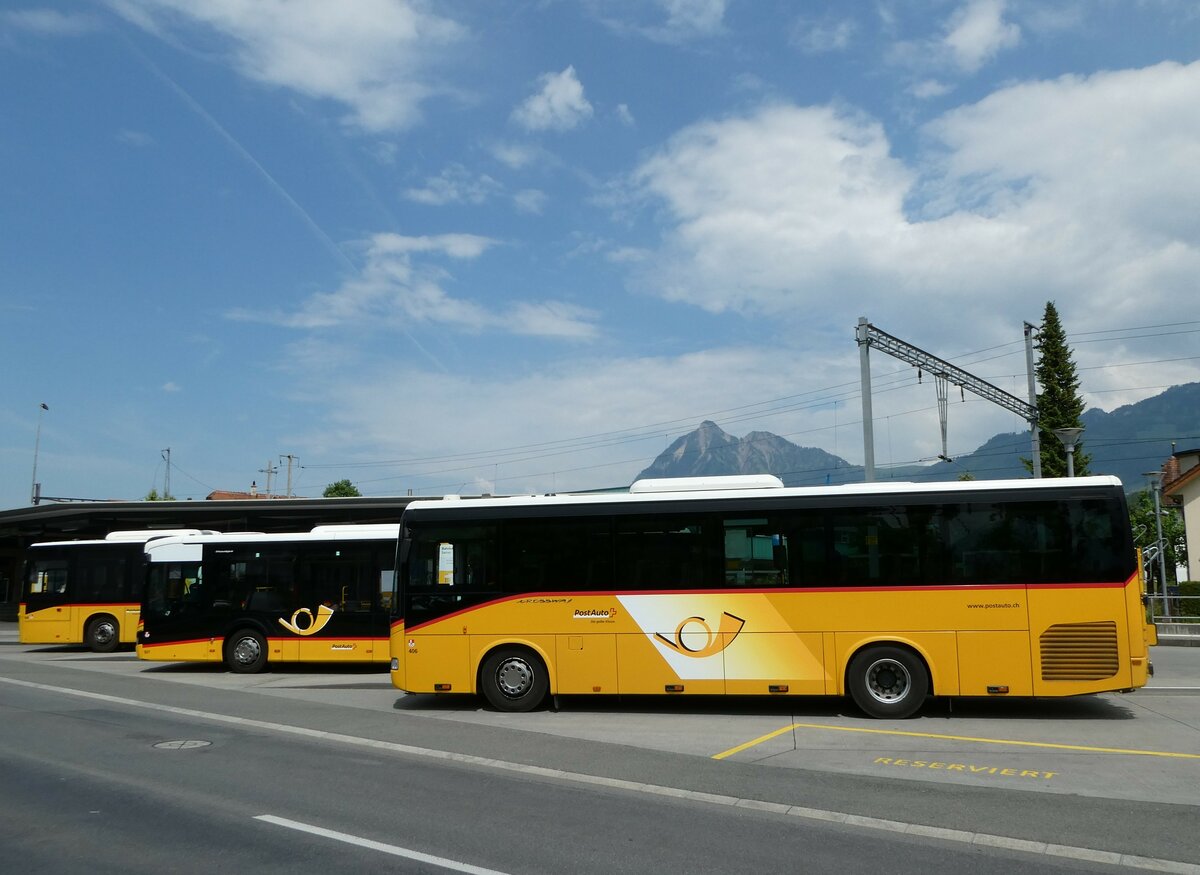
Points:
[514,247]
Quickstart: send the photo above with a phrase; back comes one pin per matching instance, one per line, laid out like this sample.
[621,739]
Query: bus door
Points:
[770,641]
[341,613]
[255,586]
[46,615]
[451,607]
[665,570]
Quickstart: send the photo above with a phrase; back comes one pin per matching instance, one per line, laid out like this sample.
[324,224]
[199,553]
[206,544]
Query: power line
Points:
[828,396]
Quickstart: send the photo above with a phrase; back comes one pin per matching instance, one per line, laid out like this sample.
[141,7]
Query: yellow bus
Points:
[888,593]
[250,599]
[86,592]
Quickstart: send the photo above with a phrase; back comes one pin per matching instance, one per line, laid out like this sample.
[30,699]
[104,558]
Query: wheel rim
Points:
[247,651]
[514,677]
[104,632]
[888,681]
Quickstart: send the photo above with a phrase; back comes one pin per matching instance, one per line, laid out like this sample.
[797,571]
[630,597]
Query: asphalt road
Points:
[110,764]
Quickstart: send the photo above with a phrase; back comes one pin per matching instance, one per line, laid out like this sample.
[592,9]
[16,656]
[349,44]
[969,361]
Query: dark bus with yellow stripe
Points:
[887,593]
[252,599]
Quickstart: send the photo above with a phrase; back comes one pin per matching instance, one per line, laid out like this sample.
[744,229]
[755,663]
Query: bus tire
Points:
[246,652]
[887,681]
[102,634]
[514,679]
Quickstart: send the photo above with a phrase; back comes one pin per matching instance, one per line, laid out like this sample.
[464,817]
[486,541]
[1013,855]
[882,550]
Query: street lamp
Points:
[35,490]
[1069,438]
[1156,478]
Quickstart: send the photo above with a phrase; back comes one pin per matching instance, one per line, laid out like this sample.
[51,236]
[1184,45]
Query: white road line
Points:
[383,848]
[815,814]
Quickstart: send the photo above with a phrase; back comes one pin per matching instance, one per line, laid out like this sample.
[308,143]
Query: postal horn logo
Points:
[694,637]
[313,625]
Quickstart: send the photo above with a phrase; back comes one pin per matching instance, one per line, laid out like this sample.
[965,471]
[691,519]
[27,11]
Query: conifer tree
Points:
[1059,402]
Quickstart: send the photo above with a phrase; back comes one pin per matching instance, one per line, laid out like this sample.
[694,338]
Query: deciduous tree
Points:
[341,489]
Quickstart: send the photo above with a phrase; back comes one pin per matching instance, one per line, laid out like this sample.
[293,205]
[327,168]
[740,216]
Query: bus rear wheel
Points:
[103,634]
[246,652]
[887,681]
[514,679]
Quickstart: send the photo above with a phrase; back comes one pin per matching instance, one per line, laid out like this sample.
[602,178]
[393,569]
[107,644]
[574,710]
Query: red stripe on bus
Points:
[965,588]
[149,646]
[125,605]
[325,638]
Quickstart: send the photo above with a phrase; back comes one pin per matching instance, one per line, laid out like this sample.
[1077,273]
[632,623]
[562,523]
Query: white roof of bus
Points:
[366,532]
[713,488]
[147,534]
[134,536]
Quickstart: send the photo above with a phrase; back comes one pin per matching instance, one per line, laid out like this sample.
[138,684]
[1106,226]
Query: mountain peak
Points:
[711,451]
[1151,426]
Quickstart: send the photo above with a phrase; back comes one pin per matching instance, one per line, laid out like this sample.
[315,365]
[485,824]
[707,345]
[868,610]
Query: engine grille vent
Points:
[1079,652]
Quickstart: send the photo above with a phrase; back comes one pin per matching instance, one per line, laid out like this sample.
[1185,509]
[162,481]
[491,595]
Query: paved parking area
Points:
[1141,746]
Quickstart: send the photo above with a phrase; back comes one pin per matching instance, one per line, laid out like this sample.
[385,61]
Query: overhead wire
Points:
[828,396]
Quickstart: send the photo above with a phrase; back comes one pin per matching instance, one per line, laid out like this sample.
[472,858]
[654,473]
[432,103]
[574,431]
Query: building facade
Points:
[1181,486]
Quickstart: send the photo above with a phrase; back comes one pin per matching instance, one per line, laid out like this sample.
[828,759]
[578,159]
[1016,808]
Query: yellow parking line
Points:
[1006,741]
[749,744]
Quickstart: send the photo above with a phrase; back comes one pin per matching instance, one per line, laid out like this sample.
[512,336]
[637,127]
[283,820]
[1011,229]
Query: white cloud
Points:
[138,139]
[455,185]
[629,255]
[694,16]
[445,415]
[371,55]
[396,288]
[515,155]
[551,319]
[929,88]
[530,200]
[559,105]
[171,387]
[685,20]
[822,36]
[754,199]
[624,115]
[1078,190]
[50,22]
[977,32]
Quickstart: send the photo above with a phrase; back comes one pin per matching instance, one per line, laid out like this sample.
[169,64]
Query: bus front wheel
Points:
[888,682]
[514,679]
[103,634]
[246,652]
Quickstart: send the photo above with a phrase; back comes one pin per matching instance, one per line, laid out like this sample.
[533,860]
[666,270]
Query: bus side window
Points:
[48,577]
[668,553]
[56,580]
[103,580]
[756,554]
[387,588]
[454,559]
[556,556]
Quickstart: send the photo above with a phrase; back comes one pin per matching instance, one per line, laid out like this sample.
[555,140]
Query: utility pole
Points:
[1034,432]
[868,335]
[35,490]
[1156,479]
[290,459]
[270,471]
[166,454]
[862,334]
